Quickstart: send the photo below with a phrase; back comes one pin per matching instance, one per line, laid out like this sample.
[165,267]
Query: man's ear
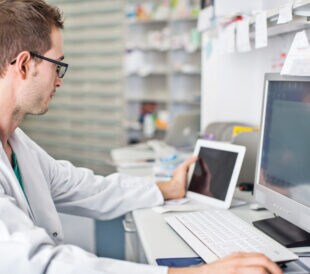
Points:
[23,64]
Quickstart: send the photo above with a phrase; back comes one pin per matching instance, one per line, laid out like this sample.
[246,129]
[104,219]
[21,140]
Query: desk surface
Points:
[159,240]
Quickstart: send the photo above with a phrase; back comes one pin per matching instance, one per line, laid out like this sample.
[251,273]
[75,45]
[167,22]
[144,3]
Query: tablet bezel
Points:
[240,150]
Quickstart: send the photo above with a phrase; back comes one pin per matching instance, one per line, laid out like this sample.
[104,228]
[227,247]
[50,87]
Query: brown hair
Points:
[26,25]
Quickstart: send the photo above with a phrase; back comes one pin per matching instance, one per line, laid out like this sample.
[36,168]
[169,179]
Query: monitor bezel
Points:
[279,204]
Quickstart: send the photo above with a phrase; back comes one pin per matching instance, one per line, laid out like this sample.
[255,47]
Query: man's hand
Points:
[176,187]
[237,263]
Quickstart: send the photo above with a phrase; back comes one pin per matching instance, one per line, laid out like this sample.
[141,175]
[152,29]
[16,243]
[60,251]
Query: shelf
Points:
[193,101]
[149,21]
[185,49]
[148,73]
[164,50]
[300,8]
[163,21]
[301,20]
[143,100]
[182,19]
[134,125]
[163,68]
[187,70]
[147,48]
[157,99]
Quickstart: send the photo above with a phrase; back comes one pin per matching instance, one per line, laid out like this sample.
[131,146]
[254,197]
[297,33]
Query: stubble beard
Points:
[38,108]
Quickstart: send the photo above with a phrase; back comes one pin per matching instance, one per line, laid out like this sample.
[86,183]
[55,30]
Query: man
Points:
[34,186]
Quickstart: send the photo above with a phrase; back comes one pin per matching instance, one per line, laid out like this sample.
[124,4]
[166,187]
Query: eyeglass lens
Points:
[60,70]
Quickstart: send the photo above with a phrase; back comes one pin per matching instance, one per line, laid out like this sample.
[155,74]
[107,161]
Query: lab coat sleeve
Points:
[27,249]
[80,192]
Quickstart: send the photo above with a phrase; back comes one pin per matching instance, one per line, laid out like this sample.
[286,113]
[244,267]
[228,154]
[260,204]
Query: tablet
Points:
[213,178]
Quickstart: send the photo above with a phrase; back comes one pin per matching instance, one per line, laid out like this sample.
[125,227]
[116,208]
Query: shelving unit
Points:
[162,66]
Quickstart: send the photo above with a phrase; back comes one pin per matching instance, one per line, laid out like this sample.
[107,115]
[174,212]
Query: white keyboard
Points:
[217,233]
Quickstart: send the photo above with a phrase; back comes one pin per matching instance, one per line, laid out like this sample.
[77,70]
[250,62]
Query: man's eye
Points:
[58,69]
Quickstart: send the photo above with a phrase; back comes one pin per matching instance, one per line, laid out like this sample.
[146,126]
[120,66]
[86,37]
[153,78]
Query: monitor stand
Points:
[284,232]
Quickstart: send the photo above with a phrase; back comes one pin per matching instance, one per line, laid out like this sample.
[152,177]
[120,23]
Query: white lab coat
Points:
[31,232]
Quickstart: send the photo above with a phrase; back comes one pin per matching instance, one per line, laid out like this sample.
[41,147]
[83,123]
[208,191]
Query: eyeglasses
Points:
[61,67]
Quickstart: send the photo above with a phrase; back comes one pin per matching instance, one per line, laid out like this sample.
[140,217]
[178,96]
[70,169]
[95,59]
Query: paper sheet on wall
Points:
[204,19]
[243,35]
[261,34]
[297,62]
[285,13]
[231,38]
[227,39]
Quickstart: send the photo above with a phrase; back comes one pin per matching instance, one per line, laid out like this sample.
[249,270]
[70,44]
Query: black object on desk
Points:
[284,232]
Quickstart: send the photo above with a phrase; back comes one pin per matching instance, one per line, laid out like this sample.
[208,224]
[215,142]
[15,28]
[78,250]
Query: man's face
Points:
[43,80]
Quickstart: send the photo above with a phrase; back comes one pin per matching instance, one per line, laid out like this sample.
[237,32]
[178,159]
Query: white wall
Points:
[232,84]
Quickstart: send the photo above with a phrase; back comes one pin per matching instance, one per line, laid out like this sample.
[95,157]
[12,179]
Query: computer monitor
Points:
[282,179]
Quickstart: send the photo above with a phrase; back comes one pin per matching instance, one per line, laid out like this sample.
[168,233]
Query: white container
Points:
[148,126]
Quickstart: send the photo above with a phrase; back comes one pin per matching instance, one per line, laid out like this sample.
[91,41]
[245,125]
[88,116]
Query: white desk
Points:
[159,240]
[154,238]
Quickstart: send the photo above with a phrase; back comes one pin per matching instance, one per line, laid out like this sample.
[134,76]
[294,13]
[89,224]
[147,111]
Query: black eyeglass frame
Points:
[56,62]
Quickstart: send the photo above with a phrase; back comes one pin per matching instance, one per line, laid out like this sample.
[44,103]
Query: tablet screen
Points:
[212,172]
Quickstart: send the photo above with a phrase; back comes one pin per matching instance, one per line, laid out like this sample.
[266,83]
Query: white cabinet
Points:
[162,68]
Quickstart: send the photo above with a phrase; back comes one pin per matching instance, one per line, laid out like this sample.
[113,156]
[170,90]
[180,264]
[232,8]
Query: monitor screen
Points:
[212,172]
[283,172]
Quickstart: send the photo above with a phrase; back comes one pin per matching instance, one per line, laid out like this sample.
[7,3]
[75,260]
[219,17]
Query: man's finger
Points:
[189,161]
